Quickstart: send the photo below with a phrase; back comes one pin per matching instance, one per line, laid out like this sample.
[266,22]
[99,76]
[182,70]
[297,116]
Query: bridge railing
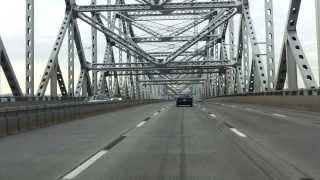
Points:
[38,99]
[299,92]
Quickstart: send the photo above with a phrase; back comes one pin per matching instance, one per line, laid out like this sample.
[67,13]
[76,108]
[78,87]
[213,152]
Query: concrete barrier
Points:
[12,120]
[3,123]
[23,118]
[310,103]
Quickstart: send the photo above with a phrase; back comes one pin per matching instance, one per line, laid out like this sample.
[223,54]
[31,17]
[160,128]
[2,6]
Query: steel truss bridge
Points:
[204,44]
[242,125]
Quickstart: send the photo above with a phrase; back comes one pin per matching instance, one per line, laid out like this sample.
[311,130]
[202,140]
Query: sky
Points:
[49,15]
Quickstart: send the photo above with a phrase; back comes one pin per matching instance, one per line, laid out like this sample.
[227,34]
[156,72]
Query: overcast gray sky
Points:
[49,14]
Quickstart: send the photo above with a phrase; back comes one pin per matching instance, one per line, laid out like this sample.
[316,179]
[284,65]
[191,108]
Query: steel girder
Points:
[270,43]
[84,82]
[202,62]
[150,15]
[260,75]
[160,67]
[173,80]
[193,24]
[171,83]
[94,50]
[165,7]
[178,72]
[139,26]
[116,38]
[293,56]
[219,19]
[54,55]
[29,47]
[318,33]
[239,84]
[70,59]
[8,71]
[165,39]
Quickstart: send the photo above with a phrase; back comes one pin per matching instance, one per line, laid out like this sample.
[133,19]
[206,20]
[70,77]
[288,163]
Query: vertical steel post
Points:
[70,59]
[29,47]
[231,72]
[270,42]
[246,65]
[94,52]
[318,33]
[54,80]
[231,39]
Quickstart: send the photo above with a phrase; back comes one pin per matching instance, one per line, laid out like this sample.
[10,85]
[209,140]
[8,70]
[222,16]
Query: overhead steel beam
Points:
[202,62]
[139,26]
[220,19]
[171,83]
[166,39]
[160,67]
[193,24]
[173,80]
[150,15]
[165,7]
[116,38]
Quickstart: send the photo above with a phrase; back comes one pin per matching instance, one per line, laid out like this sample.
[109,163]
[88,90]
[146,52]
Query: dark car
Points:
[184,101]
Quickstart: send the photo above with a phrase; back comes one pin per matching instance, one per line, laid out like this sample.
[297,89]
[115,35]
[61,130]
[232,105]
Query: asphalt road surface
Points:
[210,141]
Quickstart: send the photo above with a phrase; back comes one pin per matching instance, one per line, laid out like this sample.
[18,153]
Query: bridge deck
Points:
[209,141]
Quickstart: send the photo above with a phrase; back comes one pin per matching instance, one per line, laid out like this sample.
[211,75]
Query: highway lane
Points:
[185,143]
[212,140]
[48,152]
[290,134]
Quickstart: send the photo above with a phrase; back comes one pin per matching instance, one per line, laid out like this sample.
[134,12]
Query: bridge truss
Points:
[198,47]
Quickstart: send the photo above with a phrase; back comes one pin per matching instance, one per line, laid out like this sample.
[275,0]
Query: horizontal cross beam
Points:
[165,7]
[159,67]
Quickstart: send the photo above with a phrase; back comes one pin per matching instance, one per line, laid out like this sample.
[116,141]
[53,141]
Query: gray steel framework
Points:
[155,47]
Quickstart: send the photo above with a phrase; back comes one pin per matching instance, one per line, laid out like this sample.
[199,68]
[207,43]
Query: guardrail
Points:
[24,118]
[38,99]
[300,92]
[304,99]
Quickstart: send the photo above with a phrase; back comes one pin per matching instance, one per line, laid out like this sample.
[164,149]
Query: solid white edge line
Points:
[279,115]
[85,165]
[141,124]
[237,132]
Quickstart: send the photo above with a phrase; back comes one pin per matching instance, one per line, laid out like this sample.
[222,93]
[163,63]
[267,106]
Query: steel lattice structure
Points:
[204,56]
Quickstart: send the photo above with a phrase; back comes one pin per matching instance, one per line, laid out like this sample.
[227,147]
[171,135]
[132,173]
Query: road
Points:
[210,141]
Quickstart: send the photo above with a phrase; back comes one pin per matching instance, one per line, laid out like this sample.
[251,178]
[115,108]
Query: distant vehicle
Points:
[184,100]
[116,99]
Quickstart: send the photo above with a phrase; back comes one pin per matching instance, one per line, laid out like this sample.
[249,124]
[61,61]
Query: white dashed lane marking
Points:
[279,115]
[85,165]
[237,132]
[141,124]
